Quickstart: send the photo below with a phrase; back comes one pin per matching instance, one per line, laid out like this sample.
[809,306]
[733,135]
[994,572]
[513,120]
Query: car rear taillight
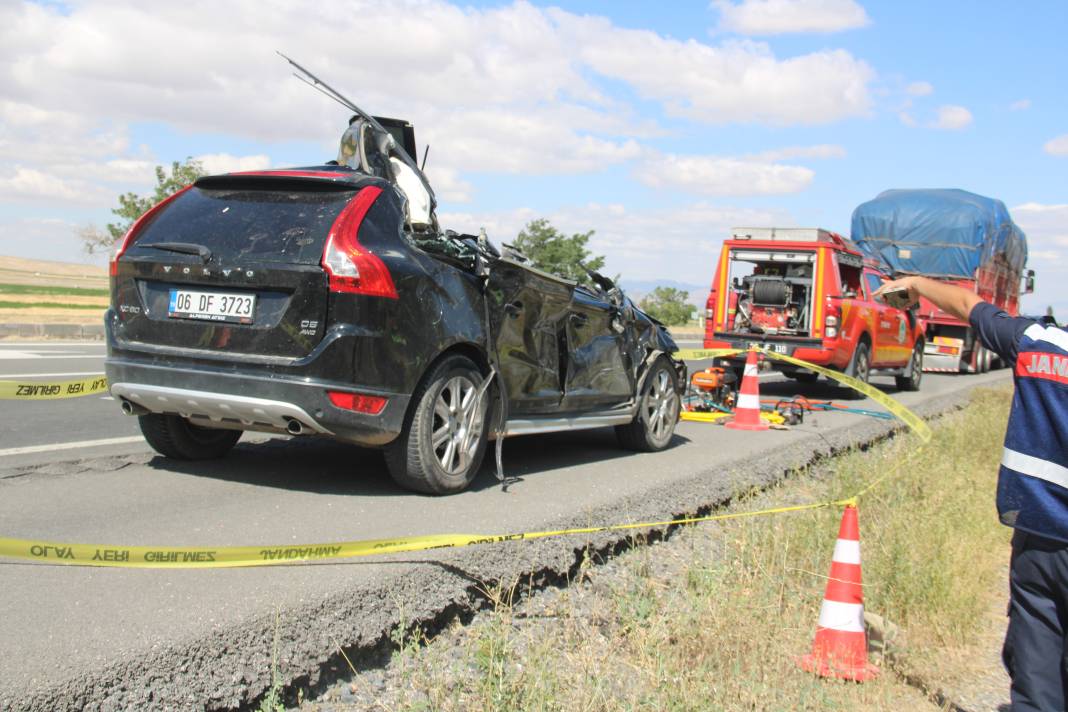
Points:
[830,323]
[359,402]
[353,268]
[140,224]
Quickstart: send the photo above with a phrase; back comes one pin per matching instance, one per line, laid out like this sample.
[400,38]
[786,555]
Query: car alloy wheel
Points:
[660,405]
[658,411]
[457,425]
[443,441]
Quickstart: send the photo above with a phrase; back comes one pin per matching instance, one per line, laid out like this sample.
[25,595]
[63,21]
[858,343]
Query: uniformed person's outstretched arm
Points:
[997,331]
[948,297]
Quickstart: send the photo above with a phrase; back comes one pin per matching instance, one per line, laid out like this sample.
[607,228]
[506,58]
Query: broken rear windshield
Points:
[284,226]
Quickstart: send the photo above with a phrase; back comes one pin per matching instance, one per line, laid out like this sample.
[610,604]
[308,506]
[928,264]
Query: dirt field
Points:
[48,274]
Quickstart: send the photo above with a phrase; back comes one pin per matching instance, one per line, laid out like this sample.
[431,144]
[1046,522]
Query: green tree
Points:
[133,206]
[668,305]
[552,251]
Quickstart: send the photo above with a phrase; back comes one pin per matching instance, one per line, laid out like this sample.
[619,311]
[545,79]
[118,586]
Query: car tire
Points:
[440,449]
[912,382]
[860,369]
[658,411]
[174,436]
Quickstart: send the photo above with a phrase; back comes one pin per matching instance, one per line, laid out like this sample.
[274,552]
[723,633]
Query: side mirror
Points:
[1029,282]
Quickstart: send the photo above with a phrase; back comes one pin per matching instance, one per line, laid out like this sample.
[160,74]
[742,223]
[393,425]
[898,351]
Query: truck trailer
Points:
[955,236]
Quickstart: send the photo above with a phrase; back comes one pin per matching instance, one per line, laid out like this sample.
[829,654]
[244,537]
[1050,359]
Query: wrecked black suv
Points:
[326,301]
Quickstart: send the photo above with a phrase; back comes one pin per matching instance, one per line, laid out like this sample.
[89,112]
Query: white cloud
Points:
[919,89]
[641,244]
[952,118]
[509,89]
[776,17]
[214,163]
[1021,105]
[32,184]
[740,81]
[907,119]
[713,175]
[1057,146]
[538,141]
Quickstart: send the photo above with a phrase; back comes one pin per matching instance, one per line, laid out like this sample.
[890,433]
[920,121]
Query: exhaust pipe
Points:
[130,408]
[295,427]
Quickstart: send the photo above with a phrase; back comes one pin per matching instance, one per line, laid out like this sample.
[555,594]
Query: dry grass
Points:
[721,626]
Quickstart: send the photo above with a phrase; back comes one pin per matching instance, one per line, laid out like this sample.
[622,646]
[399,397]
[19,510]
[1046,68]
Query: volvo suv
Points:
[325,301]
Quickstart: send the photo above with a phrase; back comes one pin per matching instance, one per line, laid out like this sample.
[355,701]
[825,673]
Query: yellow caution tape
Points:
[701,354]
[51,390]
[149,557]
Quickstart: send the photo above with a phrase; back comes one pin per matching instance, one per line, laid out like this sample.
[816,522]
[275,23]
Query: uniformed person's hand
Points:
[908,283]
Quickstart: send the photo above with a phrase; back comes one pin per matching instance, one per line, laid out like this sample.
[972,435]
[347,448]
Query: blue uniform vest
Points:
[1033,480]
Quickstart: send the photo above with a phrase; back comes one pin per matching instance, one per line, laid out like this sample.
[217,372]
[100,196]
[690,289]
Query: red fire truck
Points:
[807,293]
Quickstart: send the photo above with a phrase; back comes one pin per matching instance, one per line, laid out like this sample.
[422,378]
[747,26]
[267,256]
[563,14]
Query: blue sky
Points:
[658,126]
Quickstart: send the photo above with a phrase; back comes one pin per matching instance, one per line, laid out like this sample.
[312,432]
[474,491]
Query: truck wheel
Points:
[985,358]
[174,436]
[912,381]
[658,412]
[859,368]
[444,437]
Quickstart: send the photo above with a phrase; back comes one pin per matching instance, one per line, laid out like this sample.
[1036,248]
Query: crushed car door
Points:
[597,375]
[528,312]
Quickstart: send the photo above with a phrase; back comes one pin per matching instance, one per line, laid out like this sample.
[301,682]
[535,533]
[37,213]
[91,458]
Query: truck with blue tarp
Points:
[962,238]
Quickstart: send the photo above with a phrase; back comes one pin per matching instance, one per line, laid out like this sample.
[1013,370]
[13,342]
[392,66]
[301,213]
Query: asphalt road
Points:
[74,637]
[41,425]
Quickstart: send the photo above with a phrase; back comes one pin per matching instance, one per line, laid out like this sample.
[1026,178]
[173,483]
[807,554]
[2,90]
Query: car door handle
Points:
[513,309]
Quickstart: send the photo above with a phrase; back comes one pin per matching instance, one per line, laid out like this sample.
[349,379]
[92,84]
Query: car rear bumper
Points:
[252,401]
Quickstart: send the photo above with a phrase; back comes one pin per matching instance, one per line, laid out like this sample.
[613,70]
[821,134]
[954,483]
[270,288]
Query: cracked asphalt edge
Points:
[231,668]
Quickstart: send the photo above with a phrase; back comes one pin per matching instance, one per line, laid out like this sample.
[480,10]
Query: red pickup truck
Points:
[807,293]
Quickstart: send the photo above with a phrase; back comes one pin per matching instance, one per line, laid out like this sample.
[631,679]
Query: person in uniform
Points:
[1032,495]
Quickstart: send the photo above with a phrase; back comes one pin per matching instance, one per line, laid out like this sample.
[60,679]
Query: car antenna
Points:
[426,152]
[316,83]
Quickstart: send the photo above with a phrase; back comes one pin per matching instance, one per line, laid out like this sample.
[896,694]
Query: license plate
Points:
[777,348]
[211,306]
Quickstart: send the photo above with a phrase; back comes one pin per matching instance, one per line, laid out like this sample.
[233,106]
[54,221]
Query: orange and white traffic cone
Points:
[841,646]
[747,408]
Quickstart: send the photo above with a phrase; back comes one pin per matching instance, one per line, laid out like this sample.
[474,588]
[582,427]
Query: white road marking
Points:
[70,446]
[23,356]
[53,344]
[50,375]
